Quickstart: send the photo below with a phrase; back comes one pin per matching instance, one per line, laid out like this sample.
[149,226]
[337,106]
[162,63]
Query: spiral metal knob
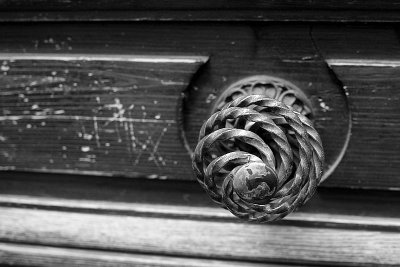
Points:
[258,158]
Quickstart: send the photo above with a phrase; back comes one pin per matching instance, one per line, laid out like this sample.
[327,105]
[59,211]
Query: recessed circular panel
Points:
[330,116]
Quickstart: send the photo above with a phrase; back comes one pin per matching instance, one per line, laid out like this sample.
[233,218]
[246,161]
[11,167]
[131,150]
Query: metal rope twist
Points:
[258,158]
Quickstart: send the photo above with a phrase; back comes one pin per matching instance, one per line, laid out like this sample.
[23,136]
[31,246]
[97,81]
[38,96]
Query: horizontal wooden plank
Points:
[85,189]
[100,114]
[28,255]
[198,212]
[210,15]
[44,5]
[369,72]
[222,10]
[197,238]
[376,130]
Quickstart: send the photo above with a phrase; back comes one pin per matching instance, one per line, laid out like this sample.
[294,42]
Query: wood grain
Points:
[209,15]
[193,5]
[196,238]
[119,195]
[222,10]
[28,255]
[369,71]
[374,131]
[99,114]
[203,213]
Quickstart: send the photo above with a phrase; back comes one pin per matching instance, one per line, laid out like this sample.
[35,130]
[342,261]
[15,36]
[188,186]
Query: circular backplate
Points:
[268,86]
[328,112]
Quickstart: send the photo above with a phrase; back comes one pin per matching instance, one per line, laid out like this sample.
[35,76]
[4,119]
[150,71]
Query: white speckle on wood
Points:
[5,68]
[210,98]
[323,105]
[87,136]
[85,148]
[35,106]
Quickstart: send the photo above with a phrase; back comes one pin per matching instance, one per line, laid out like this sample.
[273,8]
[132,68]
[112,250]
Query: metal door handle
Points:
[259,158]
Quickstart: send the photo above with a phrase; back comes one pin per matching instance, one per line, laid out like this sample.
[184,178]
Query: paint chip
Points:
[5,68]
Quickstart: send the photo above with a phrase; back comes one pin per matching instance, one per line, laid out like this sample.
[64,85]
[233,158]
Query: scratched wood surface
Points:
[96,114]
[273,54]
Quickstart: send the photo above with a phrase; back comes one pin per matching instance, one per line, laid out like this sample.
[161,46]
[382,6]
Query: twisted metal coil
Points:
[258,158]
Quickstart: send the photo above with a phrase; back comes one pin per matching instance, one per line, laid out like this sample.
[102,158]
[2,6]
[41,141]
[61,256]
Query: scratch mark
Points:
[132,134]
[96,131]
[126,58]
[118,133]
[171,83]
[83,132]
[87,118]
[364,63]
[159,140]
[138,157]
[128,139]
